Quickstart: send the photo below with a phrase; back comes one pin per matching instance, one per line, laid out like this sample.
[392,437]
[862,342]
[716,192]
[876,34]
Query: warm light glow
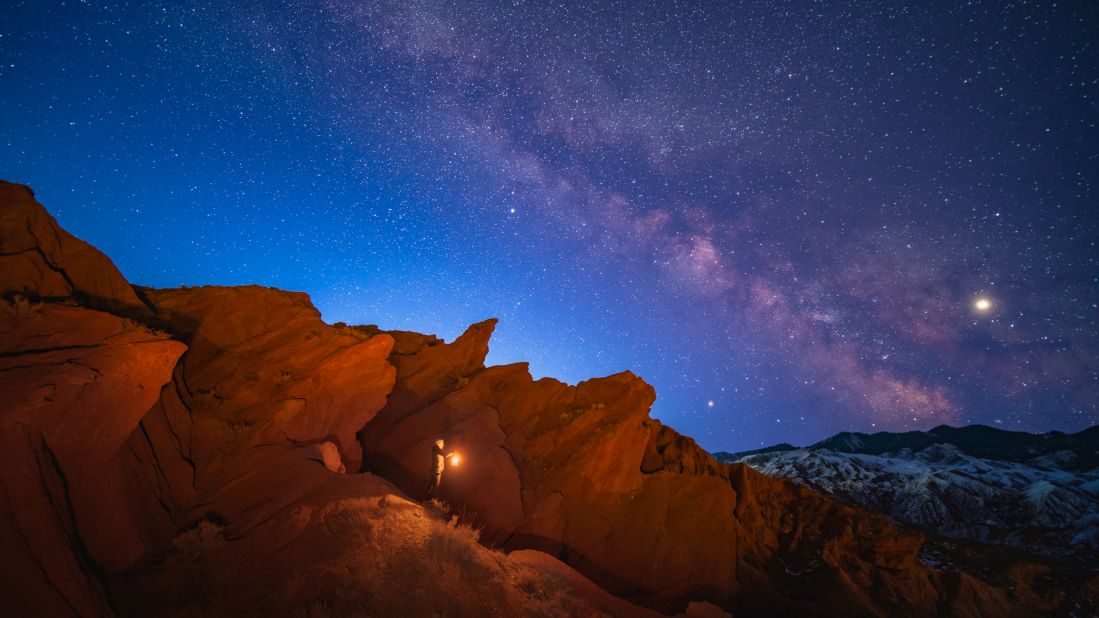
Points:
[982,304]
[455,459]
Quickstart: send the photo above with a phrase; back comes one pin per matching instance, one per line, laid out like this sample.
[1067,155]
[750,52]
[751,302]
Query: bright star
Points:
[982,304]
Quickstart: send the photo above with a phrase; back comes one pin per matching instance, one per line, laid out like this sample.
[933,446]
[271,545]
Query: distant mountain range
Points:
[1033,492]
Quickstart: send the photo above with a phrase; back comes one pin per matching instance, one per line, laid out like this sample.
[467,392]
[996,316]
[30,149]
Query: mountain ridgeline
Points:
[1036,493]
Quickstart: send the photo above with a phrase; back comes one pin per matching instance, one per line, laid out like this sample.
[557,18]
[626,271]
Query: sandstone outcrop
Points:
[40,259]
[582,473]
[75,383]
[194,462]
[262,372]
[230,453]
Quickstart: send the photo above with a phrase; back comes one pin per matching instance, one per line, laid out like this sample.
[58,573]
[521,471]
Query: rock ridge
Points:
[222,450]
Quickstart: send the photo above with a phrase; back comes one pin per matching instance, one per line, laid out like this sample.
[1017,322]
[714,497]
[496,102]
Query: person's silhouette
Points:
[438,463]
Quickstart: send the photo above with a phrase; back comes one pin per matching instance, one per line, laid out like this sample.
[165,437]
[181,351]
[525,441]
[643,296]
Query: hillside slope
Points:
[1038,493]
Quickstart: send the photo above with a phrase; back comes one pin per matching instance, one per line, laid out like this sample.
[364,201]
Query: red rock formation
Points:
[121,495]
[262,372]
[75,383]
[40,259]
[581,472]
[139,481]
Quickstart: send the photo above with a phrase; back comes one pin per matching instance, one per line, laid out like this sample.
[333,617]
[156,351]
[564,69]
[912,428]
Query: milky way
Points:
[782,215]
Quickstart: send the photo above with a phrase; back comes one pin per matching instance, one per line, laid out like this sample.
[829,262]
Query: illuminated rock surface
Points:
[231,454]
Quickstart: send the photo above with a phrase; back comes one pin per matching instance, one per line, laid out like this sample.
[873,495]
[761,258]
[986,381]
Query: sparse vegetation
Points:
[367,329]
[543,587]
[436,507]
[319,609]
[237,436]
[192,552]
[571,413]
[19,308]
[455,380]
[576,411]
[456,543]
[133,326]
[383,556]
[207,399]
[196,543]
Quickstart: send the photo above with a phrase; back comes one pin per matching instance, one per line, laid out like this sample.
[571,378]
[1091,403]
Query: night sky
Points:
[791,218]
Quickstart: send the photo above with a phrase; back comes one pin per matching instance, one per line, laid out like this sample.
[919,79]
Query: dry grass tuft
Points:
[198,542]
[382,556]
[438,509]
[133,326]
[193,552]
[19,308]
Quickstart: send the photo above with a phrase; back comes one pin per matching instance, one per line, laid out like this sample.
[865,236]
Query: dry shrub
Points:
[237,436]
[392,557]
[453,539]
[548,594]
[438,509]
[192,551]
[19,308]
[321,608]
[133,326]
[197,543]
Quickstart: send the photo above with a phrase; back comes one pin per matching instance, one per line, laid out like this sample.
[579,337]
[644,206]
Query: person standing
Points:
[439,457]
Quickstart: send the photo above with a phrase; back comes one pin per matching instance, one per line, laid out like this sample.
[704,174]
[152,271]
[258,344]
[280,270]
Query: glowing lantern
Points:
[455,459]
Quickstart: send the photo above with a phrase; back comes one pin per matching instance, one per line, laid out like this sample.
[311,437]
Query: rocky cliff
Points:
[212,450]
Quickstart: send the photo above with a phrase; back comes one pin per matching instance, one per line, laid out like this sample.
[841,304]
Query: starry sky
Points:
[792,218]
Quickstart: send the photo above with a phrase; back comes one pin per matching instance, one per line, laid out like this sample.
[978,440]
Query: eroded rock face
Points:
[40,260]
[582,473]
[75,383]
[116,443]
[263,365]
[262,372]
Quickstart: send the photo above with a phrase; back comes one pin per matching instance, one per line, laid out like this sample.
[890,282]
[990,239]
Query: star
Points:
[626,186]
